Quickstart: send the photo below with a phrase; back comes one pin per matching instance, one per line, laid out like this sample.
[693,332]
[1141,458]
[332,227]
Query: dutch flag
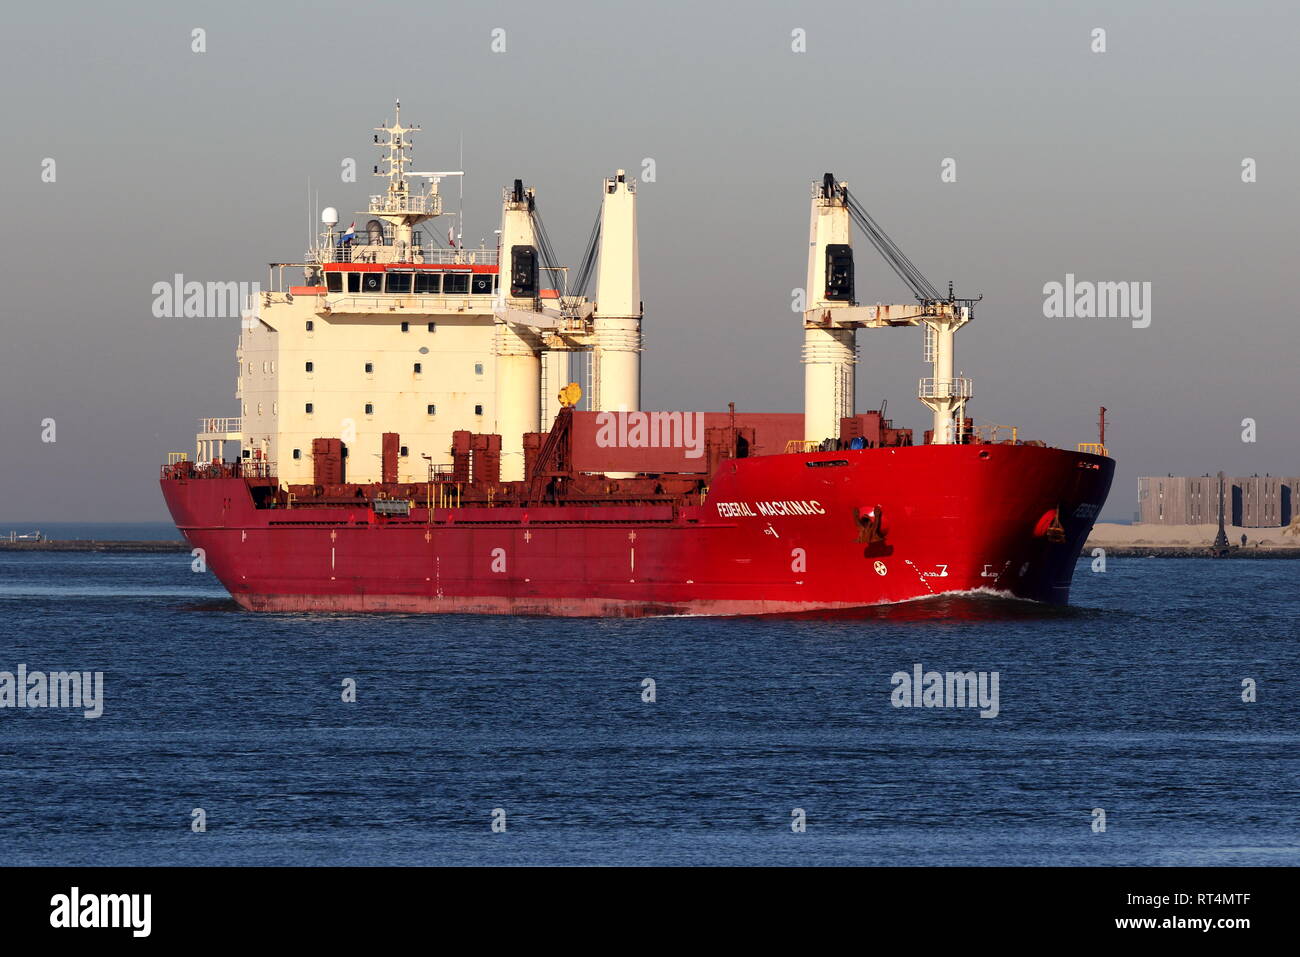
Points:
[351,234]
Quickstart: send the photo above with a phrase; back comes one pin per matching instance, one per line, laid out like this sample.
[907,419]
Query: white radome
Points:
[329,216]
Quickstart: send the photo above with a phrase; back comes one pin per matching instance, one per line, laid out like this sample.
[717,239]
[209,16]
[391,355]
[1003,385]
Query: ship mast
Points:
[399,207]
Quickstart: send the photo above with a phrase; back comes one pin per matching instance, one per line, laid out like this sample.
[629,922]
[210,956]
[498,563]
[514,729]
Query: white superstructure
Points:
[392,331]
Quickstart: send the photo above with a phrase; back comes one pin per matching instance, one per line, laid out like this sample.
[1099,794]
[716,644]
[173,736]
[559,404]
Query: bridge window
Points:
[456,283]
[428,283]
[481,284]
[334,282]
[399,282]
[354,282]
[372,282]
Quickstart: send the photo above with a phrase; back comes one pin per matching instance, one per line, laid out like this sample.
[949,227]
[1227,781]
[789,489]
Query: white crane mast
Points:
[829,349]
[517,345]
[616,325]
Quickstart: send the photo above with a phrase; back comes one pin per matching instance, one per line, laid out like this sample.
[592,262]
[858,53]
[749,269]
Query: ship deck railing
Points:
[210,470]
[995,434]
[359,251]
[937,388]
[425,203]
[221,426]
[416,304]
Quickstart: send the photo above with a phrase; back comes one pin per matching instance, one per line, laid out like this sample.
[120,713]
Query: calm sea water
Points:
[1130,701]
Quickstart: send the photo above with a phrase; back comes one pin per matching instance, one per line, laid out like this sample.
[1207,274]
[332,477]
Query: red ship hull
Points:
[776,534]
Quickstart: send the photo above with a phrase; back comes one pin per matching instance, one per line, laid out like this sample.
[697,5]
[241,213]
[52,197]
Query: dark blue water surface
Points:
[1130,701]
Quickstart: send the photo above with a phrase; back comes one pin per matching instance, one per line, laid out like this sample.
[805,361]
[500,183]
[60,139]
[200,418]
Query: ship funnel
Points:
[616,354]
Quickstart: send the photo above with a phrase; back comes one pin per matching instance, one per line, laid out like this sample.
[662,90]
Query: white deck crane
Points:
[832,317]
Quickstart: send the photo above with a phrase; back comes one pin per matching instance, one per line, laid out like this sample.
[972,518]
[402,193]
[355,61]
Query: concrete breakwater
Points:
[1188,551]
[82,545]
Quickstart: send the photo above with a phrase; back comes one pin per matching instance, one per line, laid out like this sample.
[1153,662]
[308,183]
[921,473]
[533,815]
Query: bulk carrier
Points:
[410,439]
